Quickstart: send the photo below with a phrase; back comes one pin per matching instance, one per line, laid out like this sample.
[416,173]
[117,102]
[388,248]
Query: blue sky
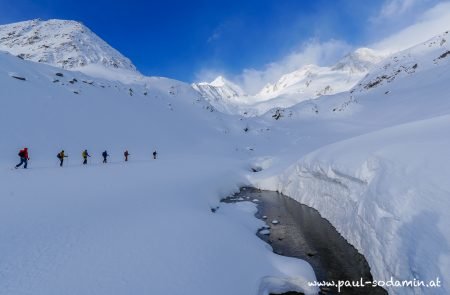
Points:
[191,40]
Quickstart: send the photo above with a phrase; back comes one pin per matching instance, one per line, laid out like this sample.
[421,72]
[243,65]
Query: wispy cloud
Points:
[394,8]
[311,52]
[215,35]
[431,22]
[225,28]
[396,25]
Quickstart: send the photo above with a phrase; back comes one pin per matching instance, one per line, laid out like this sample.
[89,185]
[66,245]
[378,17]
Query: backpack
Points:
[58,155]
[21,154]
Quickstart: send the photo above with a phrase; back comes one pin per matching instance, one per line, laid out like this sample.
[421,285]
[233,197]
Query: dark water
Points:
[304,234]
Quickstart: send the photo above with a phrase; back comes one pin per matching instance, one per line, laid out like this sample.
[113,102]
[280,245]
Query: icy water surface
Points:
[302,233]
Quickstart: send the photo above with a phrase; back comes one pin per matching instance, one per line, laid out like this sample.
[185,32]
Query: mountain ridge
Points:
[65,44]
[308,82]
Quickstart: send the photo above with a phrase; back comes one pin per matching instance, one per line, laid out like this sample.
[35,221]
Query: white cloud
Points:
[398,24]
[312,52]
[433,21]
[426,24]
[214,36]
[396,7]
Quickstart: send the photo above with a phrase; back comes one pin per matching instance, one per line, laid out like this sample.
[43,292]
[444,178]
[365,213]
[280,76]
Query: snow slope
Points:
[308,82]
[375,162]
[145,226]
[66,44]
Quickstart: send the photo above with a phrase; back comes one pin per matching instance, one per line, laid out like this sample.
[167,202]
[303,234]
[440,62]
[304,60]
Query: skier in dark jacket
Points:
[24,158]
[126,154]
[105,156]
[154,155]
[85,155]
[61,157]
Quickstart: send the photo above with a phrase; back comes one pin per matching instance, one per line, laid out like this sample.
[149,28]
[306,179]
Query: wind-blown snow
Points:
[308,82]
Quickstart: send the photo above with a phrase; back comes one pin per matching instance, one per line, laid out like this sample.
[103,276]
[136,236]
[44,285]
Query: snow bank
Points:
[387,193]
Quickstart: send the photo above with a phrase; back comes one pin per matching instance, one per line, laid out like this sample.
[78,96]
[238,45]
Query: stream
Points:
[302,233]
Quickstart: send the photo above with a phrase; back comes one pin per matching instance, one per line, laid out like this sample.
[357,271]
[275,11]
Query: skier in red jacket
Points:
[23,154]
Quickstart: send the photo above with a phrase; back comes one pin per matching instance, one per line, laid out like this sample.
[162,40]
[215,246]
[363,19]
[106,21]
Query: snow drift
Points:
[381,179]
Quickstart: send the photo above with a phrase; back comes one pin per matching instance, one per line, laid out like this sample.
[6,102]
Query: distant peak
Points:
[219,81]
[360,60]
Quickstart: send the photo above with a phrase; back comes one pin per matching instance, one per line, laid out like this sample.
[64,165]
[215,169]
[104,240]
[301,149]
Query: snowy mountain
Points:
[219,88]
[65,44]
[373,160]
[423,57]
[361,60]
[309,82]
[221,93]
[381,175]
[312,81]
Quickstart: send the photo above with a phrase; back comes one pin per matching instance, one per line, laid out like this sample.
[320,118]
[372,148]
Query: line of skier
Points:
[24,157]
